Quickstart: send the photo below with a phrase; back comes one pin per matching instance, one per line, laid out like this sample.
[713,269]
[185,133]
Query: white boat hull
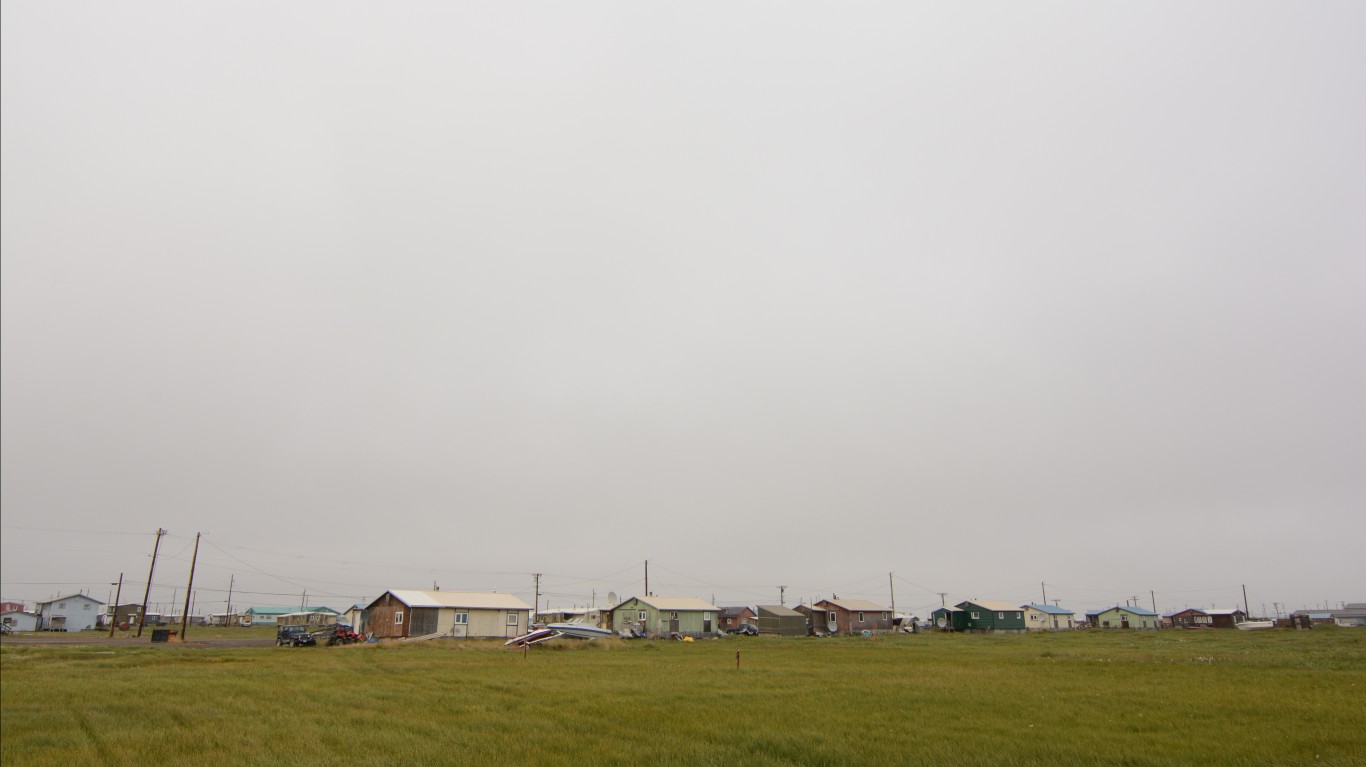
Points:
[1255,625]
[579,630]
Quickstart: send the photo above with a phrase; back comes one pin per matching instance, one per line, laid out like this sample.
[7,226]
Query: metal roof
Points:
[731,612]
[277,610]
[780,611]
[1134,610]
[71,596]
[993,605]
[1050,609]
[1220,611]
[474,600]
[855,605]
[675,603]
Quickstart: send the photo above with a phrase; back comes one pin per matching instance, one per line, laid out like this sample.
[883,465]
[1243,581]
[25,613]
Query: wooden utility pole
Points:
[189,588]
[142,616]
[114,618]
[1045,591]
[1245,608]
[537,576]
[1153,594]
[647,577]
[781,591]
[891,587]
[227,616]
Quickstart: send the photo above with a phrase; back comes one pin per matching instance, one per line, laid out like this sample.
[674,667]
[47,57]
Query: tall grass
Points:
[1129,698]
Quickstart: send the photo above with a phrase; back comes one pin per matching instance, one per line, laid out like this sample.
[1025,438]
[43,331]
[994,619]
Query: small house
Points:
[1118,617]
[854,616]
[353,616]
[733,617]
[656,617]
[405,613]
[816,618]
[994,616]
[950,618]
[1225,618]
[777,620]
[270,615]
[19,620]
[74,612]
[1047,617]
[1351,615]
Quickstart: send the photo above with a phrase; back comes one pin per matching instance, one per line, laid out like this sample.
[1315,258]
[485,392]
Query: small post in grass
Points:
[737,660]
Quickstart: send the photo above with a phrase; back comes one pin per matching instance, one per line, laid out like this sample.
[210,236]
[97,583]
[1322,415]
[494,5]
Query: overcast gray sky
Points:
[985,295]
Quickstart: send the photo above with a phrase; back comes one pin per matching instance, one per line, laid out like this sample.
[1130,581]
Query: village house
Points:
[854,616]
[816,618]
[74,612]
[19,620]
[1353,614]
[777,620]
[1123,618]
[405,613]
[269,615]
[1225,618]
[733,617]
[986,615]
[657,617]
[1189,618]
[950,618]
[1047,617]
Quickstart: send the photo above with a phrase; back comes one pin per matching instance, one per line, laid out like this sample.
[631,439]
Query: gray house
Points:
[74,612]
[1354,614]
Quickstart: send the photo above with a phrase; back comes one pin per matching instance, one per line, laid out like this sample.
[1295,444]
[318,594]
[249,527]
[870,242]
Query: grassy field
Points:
[1123,698]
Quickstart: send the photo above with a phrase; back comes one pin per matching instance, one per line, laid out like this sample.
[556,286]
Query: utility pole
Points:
[114,619]
[537,577]
[142,616]
[227,617]
[1245,607]
[189,589]
[892,588]
[647,577]
[1153,594]
[781,589]
[1044,589]
[942,603]
[303,601]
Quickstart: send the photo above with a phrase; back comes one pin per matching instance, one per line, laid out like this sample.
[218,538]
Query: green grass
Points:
[1125,698]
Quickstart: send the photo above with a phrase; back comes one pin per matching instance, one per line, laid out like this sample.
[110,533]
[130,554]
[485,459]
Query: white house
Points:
[404,613]
[18,620]
[1047,617]
[74,612]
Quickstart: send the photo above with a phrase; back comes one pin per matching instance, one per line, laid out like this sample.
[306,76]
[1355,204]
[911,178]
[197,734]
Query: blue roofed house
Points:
[1118,617]
[1047,617]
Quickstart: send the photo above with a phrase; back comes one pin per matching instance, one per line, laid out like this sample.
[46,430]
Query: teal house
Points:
[269,615]
[980,615]
[663,617]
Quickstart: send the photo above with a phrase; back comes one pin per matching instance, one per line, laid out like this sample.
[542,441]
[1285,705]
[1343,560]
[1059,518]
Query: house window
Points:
[462,618]
[86,607]
[884,616]
[860,617]
[976,616]
[673,615]
[398,617]
[1000,616]
[62,605]
[643,616]
[512,618]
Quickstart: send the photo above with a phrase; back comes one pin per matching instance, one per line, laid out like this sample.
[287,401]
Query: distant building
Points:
[269,615]
[407,613]
[777,620]
[817,619]
[657,617]
[1354,614]
[981,615]
[854,616]
[1047,617]
[733,617]
[1225,618]
[11,607]
[950,618]
[1123,618]
[19,620]
[74,612]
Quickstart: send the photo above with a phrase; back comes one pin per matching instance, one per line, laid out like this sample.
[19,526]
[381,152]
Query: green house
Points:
[657,617]
[1124,618]
[980,615]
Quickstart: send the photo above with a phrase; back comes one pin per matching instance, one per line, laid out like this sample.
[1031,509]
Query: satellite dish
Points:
[612,598]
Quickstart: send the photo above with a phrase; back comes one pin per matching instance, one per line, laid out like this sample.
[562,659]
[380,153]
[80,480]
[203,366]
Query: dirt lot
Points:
[93,639]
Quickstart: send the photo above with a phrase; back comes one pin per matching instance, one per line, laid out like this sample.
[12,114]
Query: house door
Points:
[1124,621]
[673,623]
[832,621]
